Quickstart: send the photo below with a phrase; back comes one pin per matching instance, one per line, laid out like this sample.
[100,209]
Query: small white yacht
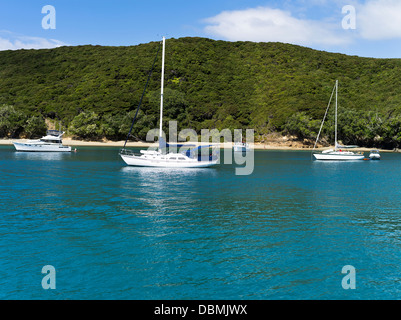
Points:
[338,153]
[241,147]
[374,155]
[190,158]
[156,158]
[52,142]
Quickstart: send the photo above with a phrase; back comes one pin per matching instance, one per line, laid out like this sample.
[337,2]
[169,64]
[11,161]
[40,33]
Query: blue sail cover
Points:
[163,144]
[198,151]
[346,147]
[193,151]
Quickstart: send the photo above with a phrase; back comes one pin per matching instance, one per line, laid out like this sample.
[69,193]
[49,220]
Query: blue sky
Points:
[316,24]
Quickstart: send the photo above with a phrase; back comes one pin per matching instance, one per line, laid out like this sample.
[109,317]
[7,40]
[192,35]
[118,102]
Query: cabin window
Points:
[52,141]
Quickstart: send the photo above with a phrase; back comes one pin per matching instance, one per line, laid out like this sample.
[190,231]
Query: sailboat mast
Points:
[335,147]
[162,90]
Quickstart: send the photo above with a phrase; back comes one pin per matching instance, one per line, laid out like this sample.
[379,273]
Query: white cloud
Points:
[379,19]
[266,24]
[13,41]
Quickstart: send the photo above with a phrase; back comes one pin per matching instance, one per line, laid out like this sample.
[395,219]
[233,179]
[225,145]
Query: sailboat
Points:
[240,146]
[338,153]
[191,157]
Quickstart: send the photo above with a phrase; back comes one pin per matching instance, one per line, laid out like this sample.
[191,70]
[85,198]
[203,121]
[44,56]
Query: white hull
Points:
[338,156]
[240,148]
[149,158]
[39,147]
[143,161]
[374,157]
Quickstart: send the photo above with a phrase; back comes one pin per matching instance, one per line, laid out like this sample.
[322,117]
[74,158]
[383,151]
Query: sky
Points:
[367,28]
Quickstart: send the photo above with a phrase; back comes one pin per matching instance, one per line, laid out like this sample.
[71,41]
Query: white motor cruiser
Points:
[52,142]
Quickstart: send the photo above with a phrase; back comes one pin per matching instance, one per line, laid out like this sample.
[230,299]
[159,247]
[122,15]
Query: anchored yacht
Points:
[191,157]
[52,142]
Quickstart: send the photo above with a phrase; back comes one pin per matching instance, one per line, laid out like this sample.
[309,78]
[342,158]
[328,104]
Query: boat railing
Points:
[126,152]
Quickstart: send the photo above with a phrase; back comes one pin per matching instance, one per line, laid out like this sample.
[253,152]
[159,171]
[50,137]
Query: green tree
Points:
[390,132]
[12,121]
[302,126]
[86,125]
[174,102]
[35,127]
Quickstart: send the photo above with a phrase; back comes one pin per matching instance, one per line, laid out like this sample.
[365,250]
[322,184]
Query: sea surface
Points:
[116,232]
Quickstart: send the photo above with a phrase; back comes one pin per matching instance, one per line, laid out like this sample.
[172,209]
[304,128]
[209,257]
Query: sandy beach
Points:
[80,143]
[274,145]
[107,143]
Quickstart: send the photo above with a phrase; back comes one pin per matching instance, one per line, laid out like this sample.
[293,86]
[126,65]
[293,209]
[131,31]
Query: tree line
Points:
[366,129]
[271,87]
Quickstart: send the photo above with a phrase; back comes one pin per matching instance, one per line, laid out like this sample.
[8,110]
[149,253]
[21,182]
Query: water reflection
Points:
[167,171]
[41,156]
[201,233]
[160,179]
[163,190]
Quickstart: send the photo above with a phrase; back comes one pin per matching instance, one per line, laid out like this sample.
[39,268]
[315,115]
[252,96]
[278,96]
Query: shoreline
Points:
[255,146]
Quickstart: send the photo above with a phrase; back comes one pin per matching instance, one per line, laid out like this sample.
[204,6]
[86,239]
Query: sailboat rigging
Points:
[338,153]
[190,158]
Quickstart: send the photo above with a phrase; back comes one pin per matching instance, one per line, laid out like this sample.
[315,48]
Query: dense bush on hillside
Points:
[370,129]
[94,91]
[15,123]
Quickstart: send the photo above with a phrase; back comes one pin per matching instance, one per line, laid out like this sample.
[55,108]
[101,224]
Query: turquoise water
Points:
[118,232]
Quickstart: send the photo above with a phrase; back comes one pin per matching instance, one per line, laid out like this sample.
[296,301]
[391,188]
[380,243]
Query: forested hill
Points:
[209,84]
